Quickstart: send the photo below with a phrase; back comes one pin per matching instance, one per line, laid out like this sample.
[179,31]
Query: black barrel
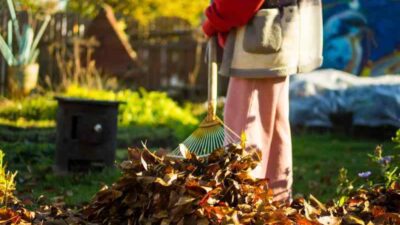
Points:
[86,134]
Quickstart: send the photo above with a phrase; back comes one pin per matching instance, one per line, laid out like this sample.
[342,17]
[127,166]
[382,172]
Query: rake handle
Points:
[212,78]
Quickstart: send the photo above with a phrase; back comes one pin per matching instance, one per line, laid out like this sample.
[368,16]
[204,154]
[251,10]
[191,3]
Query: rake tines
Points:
[212,132]
[210,135]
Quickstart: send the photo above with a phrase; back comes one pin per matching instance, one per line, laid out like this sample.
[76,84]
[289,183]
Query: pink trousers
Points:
[260,108]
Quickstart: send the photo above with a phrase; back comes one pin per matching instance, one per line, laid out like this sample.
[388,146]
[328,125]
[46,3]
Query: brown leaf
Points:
[216,155]
[300,220]
[144,163]
[185,151]
[352,219]
[316,203]
[134,154]
[388,218]
[184,200]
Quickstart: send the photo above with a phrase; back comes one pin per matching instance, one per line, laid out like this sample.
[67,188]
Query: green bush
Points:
[23,123]
[34,108]
[141,108]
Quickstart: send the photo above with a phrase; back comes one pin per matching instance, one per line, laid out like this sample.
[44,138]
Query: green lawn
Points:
[317,160]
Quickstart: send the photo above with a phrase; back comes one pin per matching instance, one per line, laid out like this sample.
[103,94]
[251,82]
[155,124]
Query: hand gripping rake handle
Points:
[212,78]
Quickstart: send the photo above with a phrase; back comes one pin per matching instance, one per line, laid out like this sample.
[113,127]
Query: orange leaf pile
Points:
[16,214]
[217,189]
[373,206]
[377,205]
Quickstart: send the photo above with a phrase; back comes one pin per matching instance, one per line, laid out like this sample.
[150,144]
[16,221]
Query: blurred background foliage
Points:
[37,7]
[138,108]
[143,10]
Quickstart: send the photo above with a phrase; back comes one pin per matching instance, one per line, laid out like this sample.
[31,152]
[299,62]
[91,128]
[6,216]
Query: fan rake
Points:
[212,133]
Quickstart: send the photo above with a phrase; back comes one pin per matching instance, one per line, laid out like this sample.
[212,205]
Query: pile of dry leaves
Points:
[378,205]
[16,214]
[375,206]
[217,189]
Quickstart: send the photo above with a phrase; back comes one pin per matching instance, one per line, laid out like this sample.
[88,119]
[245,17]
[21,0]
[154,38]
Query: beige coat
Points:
[276,42]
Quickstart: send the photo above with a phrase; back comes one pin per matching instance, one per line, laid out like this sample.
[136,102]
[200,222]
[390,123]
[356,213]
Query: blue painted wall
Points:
[362,36]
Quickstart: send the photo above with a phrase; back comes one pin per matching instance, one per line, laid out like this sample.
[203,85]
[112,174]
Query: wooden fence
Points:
[170,56]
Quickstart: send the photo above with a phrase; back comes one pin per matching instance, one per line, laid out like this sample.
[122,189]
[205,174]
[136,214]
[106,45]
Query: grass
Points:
[126,136]
[75,189]
[72,190]
[317,160]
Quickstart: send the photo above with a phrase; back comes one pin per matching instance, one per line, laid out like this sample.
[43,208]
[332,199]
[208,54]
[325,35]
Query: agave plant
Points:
[27,42]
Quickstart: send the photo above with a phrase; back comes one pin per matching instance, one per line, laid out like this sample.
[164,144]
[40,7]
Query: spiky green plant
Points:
[7,182]
[27,41]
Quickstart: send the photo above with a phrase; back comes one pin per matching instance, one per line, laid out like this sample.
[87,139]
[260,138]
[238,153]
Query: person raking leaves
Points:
[263,43]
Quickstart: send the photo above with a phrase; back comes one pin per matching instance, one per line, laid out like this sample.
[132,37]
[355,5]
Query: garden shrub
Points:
[140,108]
[21,122]
[28,109]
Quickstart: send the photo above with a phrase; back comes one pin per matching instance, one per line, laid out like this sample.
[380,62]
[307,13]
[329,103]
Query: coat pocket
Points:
[263,34]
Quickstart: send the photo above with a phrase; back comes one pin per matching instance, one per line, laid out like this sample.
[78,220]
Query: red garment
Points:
[223,15]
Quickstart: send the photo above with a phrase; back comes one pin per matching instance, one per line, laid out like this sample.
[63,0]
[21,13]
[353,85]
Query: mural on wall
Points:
[362,36]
